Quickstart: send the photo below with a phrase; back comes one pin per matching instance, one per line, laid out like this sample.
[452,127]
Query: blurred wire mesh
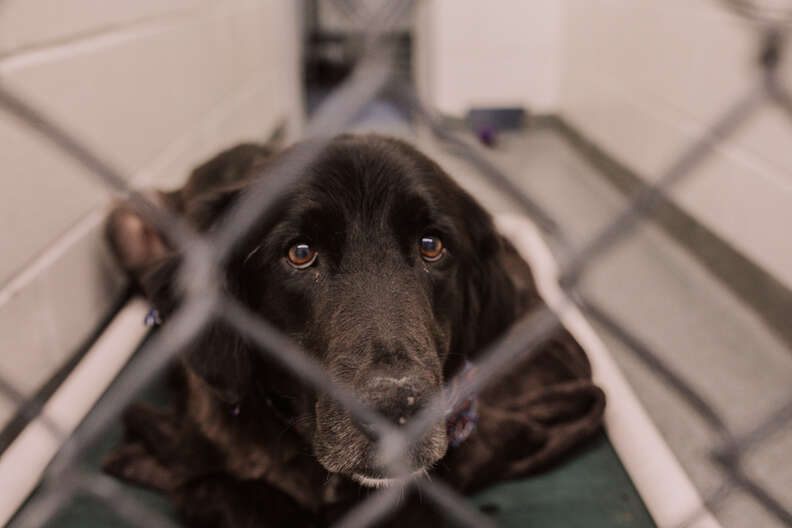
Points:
[378,69]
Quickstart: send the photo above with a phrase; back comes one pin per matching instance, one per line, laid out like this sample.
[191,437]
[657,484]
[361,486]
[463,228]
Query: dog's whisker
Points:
[250,255]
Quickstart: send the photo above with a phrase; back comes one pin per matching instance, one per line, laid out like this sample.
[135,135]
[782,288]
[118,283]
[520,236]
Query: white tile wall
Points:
[156,87]
[29,339]
[42,195]
[38,23]
[45,319]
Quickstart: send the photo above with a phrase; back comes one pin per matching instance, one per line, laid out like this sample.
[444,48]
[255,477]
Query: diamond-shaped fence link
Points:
[205,302]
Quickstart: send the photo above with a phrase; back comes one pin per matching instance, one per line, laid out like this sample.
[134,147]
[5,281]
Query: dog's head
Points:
[379,266]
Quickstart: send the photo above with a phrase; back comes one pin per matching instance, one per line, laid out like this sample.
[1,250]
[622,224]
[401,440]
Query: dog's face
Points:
[386,272]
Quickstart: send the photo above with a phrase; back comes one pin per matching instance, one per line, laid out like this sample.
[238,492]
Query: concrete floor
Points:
[665,297]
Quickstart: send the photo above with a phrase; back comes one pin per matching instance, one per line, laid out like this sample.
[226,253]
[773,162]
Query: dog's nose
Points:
[396,399]
[400,407]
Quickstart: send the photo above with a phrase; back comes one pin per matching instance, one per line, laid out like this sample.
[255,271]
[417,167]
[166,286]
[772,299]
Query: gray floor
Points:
[666,298]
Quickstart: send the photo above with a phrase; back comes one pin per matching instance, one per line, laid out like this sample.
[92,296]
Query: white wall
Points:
[156,87]
[642,78]
[474,53]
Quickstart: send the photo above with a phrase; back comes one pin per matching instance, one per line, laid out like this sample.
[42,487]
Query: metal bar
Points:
[659,367]
[471,153]
[378,505]
[709,504]
[29,408]
[125,504]
[643,202]
[454,505]
[157,354]
[364,84]
[758,492]
[203,300]
[279,347]
[767,428]
[521,342]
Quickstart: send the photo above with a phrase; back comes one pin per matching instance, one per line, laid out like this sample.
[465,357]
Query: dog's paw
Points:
[133,463]
[134,240]
[567,414]
[157,429]
[171,440]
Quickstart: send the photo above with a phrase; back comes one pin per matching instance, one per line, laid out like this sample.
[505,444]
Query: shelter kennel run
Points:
[376,71]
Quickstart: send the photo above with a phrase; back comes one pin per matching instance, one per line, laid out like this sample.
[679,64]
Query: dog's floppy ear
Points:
[202,207]
[491,293]
[219,356]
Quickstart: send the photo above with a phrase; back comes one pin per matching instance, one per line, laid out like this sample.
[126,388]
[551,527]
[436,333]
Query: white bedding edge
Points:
[24,462]
[665,488]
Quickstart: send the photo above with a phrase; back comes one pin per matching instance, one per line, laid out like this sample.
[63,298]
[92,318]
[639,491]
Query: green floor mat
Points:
[589,490]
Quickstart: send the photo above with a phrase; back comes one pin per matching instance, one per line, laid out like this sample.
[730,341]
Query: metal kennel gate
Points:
[204,300]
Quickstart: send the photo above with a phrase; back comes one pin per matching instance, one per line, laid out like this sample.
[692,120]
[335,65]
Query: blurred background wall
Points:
[160,86]
[157,87]
[639,79]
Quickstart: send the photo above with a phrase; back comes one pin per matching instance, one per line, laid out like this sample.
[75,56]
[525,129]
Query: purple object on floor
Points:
[486,123]
[486,135]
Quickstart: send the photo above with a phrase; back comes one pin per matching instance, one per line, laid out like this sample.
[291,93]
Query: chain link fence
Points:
[204,255]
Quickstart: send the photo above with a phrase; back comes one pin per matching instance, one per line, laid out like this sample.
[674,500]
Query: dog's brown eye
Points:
[431,248]
[301,255]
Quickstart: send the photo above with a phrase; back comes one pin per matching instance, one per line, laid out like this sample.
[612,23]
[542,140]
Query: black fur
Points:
[379,317]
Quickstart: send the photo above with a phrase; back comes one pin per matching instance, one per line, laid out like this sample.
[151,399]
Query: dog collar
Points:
[152,318]
[461,415]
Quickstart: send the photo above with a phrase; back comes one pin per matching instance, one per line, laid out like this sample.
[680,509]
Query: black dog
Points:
[394,279]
